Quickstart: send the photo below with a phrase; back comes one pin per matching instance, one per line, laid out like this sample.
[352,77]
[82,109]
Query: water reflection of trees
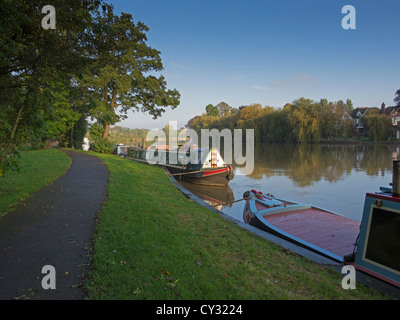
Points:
[308,163]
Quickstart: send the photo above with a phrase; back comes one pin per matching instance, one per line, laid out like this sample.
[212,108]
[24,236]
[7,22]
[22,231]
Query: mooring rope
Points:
[230,202]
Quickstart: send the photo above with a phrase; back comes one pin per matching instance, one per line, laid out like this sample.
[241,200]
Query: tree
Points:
[212,110]
[225,109]
[349,106]
[35,64]
[123,76]
[304,120]
[378,126]
[397,98]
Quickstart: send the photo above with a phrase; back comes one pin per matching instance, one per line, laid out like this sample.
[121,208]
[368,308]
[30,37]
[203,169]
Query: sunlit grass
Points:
[38,169]
[154,243]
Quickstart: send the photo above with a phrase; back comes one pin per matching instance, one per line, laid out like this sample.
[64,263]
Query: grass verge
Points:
[38,169]
[154,243]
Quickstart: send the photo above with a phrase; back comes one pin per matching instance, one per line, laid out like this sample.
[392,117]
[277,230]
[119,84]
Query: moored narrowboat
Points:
[198,166]
[319,230]
[372,246]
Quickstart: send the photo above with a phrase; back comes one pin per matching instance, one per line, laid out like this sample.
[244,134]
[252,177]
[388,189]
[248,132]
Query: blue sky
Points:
[269,52]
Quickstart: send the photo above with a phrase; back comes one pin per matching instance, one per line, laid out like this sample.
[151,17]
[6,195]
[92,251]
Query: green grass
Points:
[38,169]
[154,243]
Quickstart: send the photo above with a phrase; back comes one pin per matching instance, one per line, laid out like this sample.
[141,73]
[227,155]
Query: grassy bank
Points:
[38,169]
[154,243]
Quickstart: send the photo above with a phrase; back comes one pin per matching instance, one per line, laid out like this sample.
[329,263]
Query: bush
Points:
[9,160]
[102,146]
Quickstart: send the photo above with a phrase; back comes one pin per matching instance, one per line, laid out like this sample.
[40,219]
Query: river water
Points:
[335,177]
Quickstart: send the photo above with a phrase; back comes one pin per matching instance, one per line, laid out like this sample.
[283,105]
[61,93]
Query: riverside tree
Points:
[397,98]
[378,126]
[36,65]
[123,76]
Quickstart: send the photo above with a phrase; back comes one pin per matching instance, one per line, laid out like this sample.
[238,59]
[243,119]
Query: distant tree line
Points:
[303,120]
[127,136]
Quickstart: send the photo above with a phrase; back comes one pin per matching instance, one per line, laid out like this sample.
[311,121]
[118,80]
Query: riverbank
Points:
[154,243]
[361,141]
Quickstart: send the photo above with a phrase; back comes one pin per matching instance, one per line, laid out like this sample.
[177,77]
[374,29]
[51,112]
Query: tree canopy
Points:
[303,120]
[90,64]
[123,74]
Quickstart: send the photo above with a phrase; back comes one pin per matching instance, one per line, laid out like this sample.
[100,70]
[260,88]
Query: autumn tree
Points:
[305,120]
[249,114]
[378,126]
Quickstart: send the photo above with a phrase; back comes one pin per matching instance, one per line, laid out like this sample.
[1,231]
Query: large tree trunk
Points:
[106,130]
[16,122]
[113,106]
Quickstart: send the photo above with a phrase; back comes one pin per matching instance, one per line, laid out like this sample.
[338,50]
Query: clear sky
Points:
[269,52]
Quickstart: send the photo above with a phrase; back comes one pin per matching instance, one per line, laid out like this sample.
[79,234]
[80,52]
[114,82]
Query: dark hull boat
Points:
[209,176]
[316,229]
[204,167]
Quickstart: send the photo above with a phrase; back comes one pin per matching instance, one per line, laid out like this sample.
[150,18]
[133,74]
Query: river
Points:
[335,177]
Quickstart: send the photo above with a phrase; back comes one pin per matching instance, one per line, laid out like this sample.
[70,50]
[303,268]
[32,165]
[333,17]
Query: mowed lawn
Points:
[38,169]
[153,243]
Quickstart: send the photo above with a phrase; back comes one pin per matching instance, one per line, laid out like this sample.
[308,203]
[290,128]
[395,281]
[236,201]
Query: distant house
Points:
[357,115]
[394,114]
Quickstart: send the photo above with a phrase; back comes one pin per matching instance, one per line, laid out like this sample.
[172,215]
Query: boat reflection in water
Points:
[216,197]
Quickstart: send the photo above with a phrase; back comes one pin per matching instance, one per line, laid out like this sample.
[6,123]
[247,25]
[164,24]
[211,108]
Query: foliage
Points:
[37,169]
[397,98]
[212,110]
[123,75]
[9,160]
[36,70]
[378,126]
[97,142]
[303,120]
[127,136]
[273,127]
[51,80]
[78,132]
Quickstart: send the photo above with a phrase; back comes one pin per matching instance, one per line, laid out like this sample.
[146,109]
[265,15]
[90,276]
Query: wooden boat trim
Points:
[289,208]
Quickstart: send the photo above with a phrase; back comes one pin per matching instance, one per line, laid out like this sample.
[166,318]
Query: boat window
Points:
[384,238]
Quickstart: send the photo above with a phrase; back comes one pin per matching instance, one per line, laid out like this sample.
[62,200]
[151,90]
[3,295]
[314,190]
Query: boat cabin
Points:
[378,248]
[194,159]
[197,165]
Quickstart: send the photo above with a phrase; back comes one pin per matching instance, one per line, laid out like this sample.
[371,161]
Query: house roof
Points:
[391,110]
[357,113]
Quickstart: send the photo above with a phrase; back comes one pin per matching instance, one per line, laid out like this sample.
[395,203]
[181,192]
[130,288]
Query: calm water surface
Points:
[334,177]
